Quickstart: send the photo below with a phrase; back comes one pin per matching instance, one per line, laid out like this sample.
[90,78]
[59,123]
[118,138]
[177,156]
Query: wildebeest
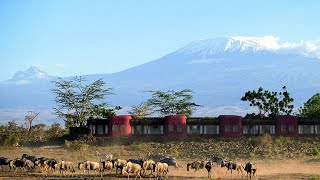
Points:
[209,166]
[170,162]
[136,161]
[133,168]
[4,162]
[196,165]
[31,158]
[21,164]
[161,169]
[250,169]
[218,160]
[232,166]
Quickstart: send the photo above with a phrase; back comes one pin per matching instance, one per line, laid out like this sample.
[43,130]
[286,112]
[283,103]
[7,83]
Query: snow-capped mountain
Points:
[30,74]
[246,45]
[219,71]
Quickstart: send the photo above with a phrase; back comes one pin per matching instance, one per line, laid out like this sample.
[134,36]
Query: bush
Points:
[262,141]
[10,140]
[314,151]
[76,145]
[283,141]
[314,177]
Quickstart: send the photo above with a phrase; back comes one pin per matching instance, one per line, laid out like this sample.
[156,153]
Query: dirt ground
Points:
[267,169]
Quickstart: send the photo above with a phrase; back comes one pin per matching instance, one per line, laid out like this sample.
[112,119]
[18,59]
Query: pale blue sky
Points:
[74,37]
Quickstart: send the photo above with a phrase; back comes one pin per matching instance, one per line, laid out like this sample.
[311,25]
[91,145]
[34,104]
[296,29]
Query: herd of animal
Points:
[153,166]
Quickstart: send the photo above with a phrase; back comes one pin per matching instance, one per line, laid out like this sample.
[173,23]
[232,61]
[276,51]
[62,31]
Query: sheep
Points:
[88,165]
[119,163]
[148,165]
[196,165]
[65,166]
[106,165]
[161,169]
[250,169]
[133,168]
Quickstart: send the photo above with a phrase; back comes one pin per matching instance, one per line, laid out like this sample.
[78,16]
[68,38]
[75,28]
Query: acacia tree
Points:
[141,110]
[311,108]
[270,103]
[77,100]
[172,102]
[30,118]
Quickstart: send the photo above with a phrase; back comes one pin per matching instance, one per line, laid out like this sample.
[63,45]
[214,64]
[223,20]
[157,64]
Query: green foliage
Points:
[11,134]
[314,151]
[312,107]
[55,131]
[10,140]
[270,103]
[140,111]
[261,141]
[283,141]
[314,177]
[77,100]
[78,145]
[172,102]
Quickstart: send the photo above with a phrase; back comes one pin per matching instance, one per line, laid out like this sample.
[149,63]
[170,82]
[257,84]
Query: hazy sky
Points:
[74,37]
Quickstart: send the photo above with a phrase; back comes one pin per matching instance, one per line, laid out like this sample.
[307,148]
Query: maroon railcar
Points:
[223,126]
[286,125]
[230,126]
[175,126]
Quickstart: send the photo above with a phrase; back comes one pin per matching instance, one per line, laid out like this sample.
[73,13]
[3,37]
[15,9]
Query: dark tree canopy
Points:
[311,108]
[77,100]
[270,103]
[172,102]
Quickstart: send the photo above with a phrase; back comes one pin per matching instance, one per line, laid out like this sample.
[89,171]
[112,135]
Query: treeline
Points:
[12,135]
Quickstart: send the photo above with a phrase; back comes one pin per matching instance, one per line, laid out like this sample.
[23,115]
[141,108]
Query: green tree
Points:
[55,131]
[141,110]
[311,108]
[172,102]
[270,103]
[77,100]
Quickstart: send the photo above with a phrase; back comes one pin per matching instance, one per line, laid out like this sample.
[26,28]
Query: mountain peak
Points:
[237,44]
[31,73]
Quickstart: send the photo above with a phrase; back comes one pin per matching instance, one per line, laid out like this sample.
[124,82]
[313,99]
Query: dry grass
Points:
[281,158]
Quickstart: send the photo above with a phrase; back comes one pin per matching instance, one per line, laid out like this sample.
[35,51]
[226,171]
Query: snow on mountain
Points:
[31,73]
[245,45]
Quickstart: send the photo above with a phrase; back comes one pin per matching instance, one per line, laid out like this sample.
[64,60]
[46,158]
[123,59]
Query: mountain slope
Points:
[219,71]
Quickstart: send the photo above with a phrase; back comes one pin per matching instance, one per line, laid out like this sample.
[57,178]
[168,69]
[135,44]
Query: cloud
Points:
[310,48]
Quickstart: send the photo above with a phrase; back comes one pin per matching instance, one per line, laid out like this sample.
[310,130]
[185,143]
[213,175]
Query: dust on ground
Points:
[266,169]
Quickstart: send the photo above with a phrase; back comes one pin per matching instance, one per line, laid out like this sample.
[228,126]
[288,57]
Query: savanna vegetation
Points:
[77,100]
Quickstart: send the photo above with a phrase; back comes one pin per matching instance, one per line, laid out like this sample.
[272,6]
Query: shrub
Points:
[314,151]
[314,177]
[76,145]
[283,141]
[10,140]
